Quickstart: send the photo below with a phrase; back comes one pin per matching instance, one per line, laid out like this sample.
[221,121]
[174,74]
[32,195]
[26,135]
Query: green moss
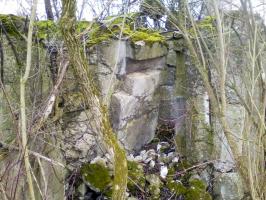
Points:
[146,35]
[197,190]
[82,26]
[73,101]
[207,23]
[183,165]
[199,184]
[112,27]
[206,26]
[13,25]
[194,193]
[136,176]
[154,187]
[45,29]
[176,187]
[97,176]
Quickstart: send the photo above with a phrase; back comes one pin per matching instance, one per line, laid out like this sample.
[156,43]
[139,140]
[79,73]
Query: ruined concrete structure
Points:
[154,85]
[145,86]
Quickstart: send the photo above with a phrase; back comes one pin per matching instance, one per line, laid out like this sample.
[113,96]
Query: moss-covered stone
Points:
[113,26]
[154,186]
[97,176]
[176,187]
[13,25]
[206,26]
[136,176]
[195,190]
[45,29]
[146,35]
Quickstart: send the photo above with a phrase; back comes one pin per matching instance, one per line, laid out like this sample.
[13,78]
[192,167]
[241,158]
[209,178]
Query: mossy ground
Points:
[136,176]
[150,185]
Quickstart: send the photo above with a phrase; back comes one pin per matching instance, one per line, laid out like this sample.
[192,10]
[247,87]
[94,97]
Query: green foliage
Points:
[154,187]
[97,32]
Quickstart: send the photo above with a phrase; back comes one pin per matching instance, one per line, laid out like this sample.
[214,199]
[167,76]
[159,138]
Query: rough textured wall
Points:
[145,87]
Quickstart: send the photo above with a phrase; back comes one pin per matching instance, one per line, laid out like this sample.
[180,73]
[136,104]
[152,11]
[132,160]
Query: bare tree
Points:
[23,82]
[48,10]
[100,121]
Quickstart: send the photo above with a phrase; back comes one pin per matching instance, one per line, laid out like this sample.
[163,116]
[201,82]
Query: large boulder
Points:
[139,132]
[228,186]
[134,109]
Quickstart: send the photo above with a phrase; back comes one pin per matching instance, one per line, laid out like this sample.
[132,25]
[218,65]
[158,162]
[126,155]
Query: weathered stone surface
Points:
[172,107]
[139,52]
[228,186]
[176,45]
[140,65]
[111,63]
[113,55]
[235,117]
[134,109]
[123,108]
[200,140]
[169,75]
[139,131]
[142,84]
[80,143]
[171,58]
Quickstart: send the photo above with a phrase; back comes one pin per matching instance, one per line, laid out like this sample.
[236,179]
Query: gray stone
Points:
[114,55]
[171,58]
[200,140]
[123,108]
[139,132]
[142,84]
[80,143]
[169,76]
[140,65]
[140,52]
[172,107]
[235,117]
[176,45]
[228,186]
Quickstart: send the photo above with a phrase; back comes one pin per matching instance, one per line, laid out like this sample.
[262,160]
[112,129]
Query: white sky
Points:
[23,6]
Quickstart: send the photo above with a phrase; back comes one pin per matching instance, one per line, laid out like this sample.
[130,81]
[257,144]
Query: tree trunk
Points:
[48,10]
[100,122]
[23,117]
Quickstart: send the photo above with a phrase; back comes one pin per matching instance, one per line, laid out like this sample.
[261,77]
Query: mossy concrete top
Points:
[114,27]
